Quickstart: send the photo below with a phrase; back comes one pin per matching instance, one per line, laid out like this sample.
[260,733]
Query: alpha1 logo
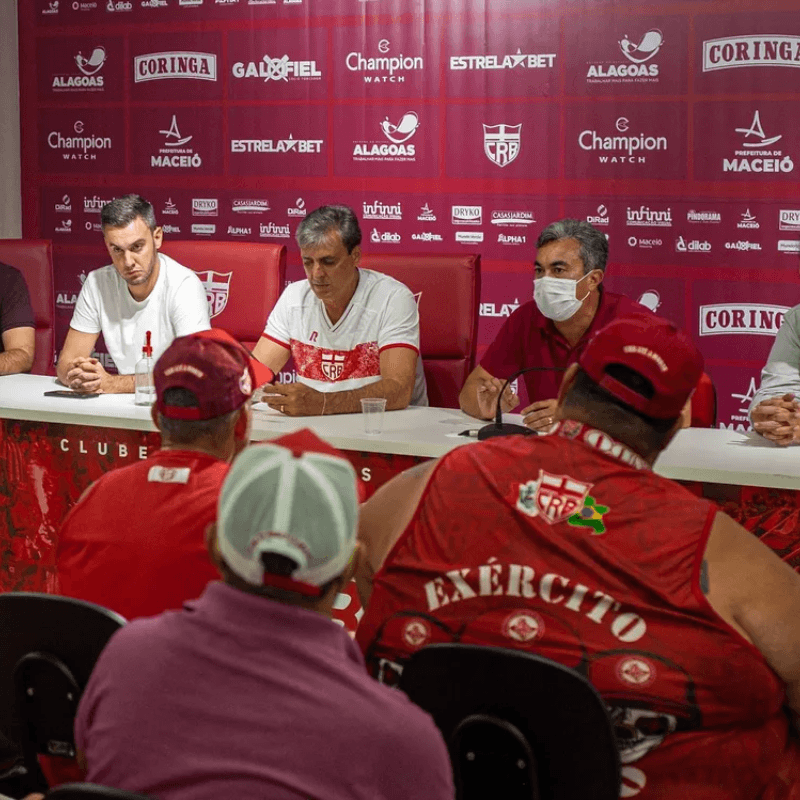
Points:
[501,143]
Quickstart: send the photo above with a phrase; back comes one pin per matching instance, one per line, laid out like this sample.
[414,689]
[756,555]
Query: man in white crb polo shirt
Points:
[352,332]
[142,290]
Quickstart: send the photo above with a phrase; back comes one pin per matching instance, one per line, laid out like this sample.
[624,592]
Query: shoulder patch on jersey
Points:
[590,516]
[169,475]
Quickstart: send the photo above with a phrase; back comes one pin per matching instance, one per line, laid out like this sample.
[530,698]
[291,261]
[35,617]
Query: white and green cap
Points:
[295,496]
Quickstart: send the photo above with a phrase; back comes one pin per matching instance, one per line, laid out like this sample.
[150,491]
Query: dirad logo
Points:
[467,215]
[384,68]
[65,206]
[166,66]
[600,217]
[398,135]
[639,67]
[789,219]
[376,237]
[512,219]
[205,207]
[645,217]
[274,231]
[764,50]
[378,210]
[249,206]
[175,151]
[703,216]
[82,147]
[501,143]
[277,69]
[503,310]
[89,80]
[304,147]
[757,155]
[218,287]
[623,149]
[748,221]
[692,245]
[298,209]
[519,60]
[736,318]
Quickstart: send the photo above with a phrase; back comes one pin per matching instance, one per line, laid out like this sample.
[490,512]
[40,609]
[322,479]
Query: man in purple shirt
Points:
[252,690]
[17,325]
[552,330]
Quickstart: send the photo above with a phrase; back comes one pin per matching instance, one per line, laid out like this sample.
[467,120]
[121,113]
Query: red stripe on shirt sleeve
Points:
[399,344]
[277,341]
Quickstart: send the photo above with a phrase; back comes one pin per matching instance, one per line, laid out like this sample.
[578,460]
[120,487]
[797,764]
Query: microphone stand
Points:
[500,428]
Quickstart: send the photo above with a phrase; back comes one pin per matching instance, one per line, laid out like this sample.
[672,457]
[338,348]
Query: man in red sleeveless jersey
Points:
[574,549]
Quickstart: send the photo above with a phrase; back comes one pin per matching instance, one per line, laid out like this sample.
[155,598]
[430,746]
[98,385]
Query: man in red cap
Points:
[134,542]
[574,549]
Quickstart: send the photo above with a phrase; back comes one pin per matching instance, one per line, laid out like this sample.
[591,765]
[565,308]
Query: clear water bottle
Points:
[145,390]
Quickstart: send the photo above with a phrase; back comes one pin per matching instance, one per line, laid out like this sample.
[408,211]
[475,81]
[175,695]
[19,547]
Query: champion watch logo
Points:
[501,143]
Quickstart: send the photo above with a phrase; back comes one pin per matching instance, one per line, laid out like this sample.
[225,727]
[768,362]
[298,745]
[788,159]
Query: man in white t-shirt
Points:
[352,332]
[142,290]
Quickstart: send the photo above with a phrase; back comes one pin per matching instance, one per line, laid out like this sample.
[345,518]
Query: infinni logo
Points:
[501,143]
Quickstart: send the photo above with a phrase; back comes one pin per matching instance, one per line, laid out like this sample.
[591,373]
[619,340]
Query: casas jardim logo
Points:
[183,64]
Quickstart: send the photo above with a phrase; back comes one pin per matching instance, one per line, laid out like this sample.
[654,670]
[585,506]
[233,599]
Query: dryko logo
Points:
[638,66]
[741,318]
[763,50]
[624,146]
[184,64]
[386,67]
[176,150]
[283,69]
[756,153]
[517,61]
[398,148]
[89,79]
[501,143]
[83,146]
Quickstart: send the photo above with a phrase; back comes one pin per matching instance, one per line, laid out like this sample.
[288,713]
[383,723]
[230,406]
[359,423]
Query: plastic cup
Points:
[372,409]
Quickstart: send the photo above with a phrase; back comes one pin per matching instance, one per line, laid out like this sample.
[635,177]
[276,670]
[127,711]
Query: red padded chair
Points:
[243,281]
[34,259]
[449,287]
[704,404]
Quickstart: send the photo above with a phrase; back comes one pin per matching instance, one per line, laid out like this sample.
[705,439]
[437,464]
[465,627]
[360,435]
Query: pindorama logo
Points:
[467,215]
[175,151]
[83,146]
[250,206]
[378,210]
[518,61]
[703,216]
[741,318]
[385,68]
[399,147]
[169,66]
[756,154]
[645,217]
[205,207]
[304,147]
[639,67]
[761,50]
[623,147]
[600,217]
[501,143]
[277,70]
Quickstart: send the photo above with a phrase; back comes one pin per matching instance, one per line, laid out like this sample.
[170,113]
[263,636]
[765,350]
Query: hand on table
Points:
[487,397]
[540,415]
[778,419]
[86,375]
[294,399]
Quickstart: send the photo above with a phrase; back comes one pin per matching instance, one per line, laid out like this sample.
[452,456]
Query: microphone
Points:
[500,428]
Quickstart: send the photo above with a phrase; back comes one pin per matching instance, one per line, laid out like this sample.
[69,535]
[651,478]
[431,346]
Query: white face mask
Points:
[557,298]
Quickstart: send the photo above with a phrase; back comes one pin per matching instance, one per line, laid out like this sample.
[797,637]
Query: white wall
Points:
[10,203]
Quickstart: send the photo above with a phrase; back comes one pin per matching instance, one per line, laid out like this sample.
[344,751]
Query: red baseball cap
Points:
[655,349]
[215,367]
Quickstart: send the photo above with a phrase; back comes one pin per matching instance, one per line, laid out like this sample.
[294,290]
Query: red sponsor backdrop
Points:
[449,125]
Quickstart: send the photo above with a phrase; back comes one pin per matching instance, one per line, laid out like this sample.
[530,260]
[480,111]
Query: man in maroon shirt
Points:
[551,330]
[17,326]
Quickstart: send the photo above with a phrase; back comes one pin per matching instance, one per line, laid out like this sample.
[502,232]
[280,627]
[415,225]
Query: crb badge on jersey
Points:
[217,286]
[554,497]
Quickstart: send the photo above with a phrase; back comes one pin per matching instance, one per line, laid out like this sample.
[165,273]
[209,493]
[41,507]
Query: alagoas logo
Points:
[278,146]
[175,150]
[386,67]
[740,420]
[218,287]
[639,66]
[398,149]
[501,143]
[89,80]
[624,147]
[280,70]
[64,227]
[757,154]
[514,61]
[761,50]
[67,300]
[741,318]
[169,66]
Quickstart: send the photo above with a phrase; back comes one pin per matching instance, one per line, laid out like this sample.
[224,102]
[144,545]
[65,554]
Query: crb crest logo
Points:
[554,497]
[217,286]
[501,143]
[332,365]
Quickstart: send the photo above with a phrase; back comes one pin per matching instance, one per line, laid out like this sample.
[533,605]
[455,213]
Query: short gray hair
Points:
[316,227]
[121,211]
[594,245]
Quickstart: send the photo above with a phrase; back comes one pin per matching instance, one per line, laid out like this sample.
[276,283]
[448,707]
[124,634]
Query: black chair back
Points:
[92,791]
[518,726]
[49,646]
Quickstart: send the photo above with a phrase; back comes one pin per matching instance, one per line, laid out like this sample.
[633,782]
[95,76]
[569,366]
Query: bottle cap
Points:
[147,350]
